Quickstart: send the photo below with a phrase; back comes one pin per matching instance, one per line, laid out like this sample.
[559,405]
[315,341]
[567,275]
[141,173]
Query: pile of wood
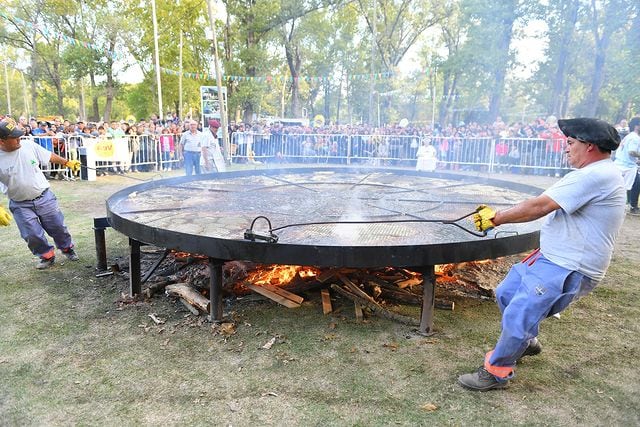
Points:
[377,291]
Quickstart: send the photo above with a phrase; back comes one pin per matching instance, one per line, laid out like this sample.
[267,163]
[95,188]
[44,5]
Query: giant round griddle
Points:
[339,217]
[326,217]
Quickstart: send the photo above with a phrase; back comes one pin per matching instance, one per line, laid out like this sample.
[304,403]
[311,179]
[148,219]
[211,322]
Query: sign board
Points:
[210,103]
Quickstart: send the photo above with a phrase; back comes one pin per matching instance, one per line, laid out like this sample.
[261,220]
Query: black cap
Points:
[595,131]
[633,123]
[9,129]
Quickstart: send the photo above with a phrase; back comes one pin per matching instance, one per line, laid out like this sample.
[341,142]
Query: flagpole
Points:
[223,109]
[24,95]
[157,55]
[180,81]
[6,81]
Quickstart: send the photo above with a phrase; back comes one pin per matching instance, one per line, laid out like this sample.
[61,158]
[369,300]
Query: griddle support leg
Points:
[215,290]
[135,282]
[428,300]
[99,225]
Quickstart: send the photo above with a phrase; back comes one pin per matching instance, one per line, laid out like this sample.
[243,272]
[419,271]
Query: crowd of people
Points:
[536,147]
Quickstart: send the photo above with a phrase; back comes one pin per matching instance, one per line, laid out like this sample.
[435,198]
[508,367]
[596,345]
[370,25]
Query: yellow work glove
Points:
[5,216]
[74,165]
[483,218]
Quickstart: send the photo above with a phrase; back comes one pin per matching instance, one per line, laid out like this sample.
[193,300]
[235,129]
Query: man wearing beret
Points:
[584,212]
[32,203]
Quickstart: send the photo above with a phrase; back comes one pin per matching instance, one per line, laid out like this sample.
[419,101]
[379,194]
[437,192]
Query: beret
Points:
[595,131]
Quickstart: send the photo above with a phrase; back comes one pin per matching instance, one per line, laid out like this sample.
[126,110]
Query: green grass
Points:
[70,354]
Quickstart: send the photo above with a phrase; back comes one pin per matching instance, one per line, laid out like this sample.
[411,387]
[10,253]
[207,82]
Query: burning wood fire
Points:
[280,275]
[374,289]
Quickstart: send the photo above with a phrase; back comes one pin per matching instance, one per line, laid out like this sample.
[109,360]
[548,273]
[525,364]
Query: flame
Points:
[280,274]
[186,255]
[446,272]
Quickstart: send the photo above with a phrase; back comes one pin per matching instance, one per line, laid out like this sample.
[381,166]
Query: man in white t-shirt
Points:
[626,160]
[32,203]
[584,212]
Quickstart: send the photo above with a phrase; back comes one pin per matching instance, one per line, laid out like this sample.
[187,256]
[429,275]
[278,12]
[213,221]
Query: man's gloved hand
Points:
[74,165]
[483,218]
[5,216]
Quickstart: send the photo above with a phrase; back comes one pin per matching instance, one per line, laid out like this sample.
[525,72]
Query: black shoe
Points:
[482,380]
[534,348]
[634,211]
[71,254]
[45,263]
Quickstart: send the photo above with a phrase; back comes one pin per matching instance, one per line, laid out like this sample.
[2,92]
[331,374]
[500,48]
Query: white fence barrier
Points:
[145,153]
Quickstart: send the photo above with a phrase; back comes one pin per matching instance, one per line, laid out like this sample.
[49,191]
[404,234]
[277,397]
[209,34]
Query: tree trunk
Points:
[294,63]
[565,100]
[110,92]
[95,115]
[597,80]
[568,26]
[499,73]
[59,92]
[251,71]
[327,101]
[613,13]
[292,53]
[448,94]
[81,106]
[34,92]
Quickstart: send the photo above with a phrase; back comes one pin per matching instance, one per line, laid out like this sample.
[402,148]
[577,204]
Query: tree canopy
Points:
[348,60]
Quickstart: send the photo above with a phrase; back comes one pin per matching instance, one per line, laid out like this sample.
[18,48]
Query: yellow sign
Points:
[318,120]
[104,149]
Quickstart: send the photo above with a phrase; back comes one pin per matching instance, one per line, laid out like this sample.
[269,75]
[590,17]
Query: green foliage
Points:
[469,42]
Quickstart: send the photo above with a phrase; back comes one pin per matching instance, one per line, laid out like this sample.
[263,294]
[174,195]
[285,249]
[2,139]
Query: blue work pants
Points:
[532,291]
[35,217]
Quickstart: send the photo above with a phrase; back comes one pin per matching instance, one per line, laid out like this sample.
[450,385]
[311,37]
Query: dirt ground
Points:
[73,350]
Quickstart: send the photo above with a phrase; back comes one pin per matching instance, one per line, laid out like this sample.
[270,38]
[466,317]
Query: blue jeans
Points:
[34,217]
[192,162]
[531,292]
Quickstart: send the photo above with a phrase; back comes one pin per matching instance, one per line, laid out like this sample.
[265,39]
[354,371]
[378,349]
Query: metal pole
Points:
[24,94]
[433,99]
[223,109]
[6,81]
[180,82]
[372,68]
[157,55]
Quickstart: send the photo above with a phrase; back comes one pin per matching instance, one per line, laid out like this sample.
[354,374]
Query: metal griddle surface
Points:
[210,214]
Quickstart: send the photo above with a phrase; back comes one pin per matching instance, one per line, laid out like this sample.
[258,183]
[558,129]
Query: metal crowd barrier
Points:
[515,155]
[148,153]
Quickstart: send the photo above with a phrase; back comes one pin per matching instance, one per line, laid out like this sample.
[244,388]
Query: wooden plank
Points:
[273,296]
[326,301]
[326,275]
[355,289]
[359,313]
[284,293]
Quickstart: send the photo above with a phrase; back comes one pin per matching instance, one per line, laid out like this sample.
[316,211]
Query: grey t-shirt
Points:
[582,234]
[20,171]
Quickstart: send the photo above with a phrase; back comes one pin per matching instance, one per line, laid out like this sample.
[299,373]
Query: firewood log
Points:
[375,307]
[189,294]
